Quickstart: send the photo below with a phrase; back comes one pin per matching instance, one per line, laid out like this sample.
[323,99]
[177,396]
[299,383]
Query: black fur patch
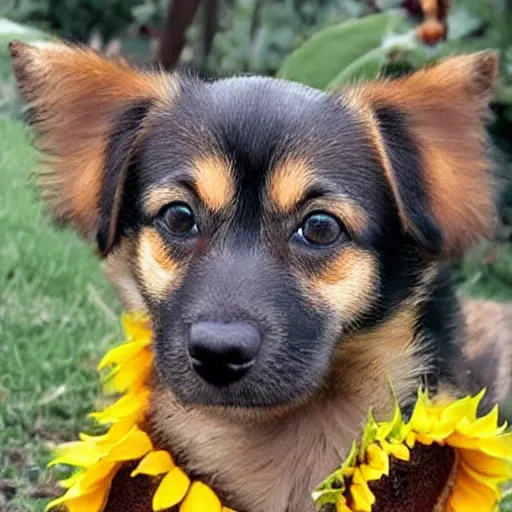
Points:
[439,323]
[112,215]
[406,162]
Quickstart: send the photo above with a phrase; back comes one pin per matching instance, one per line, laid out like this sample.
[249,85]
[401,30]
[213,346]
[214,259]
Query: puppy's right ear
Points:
[88,113]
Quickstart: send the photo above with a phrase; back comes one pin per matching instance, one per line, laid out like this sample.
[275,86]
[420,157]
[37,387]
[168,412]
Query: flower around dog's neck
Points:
[444,459]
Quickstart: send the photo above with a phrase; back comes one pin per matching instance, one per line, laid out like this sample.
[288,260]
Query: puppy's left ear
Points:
[428,131]
[89,113]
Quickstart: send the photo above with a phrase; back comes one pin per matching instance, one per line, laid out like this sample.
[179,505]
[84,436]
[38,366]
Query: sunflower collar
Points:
[463,459]
[444,459]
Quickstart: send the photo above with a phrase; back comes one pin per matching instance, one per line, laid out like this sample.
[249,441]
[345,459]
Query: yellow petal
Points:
[69,482]
[93,501]
[490,482]
[500,446]
[361,494]
[341,504]
[100,474]
[172,489]
[487,426]
[154,463]
[399,451]
[370,473]
[77,453]
[131,405]
[419,421]
[424,439]
[485,464]
[133,445]
[111,437]
[360,498]
[463,408]
[122,354]
[469,495]
[410,440]
[377,458]
[200,498]
[132,375]
[136,326]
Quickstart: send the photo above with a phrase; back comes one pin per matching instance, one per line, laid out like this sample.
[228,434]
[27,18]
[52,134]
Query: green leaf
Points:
[503,94]
[365,68]
[321,59]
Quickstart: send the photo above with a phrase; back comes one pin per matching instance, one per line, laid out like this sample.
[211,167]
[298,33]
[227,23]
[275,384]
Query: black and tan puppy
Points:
[285,242]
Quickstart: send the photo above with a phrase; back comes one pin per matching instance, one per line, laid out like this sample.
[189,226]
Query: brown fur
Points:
[450,134]
[119,267]
[289,182]
[488,346]
[157,198]
[76,95]
[346,284]
[214,182]
[157,271]
[288,185]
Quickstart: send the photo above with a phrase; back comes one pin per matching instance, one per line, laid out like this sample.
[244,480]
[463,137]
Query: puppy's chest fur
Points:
[274,467]
[262,468]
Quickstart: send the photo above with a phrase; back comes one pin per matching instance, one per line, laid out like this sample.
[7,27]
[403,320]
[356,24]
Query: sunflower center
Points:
[126,491]
[417,485]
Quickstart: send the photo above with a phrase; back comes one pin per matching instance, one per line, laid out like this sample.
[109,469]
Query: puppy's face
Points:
[258,221]
[258,227]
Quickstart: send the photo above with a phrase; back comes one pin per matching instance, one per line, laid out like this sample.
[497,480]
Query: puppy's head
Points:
[260,222]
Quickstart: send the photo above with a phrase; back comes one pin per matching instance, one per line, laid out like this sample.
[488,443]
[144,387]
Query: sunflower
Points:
[444,459]
[99,458]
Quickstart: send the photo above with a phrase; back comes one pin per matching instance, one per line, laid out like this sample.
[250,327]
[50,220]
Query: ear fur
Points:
[429,132]
[77,99]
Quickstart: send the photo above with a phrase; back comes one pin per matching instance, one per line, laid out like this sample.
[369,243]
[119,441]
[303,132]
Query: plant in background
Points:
[73,19]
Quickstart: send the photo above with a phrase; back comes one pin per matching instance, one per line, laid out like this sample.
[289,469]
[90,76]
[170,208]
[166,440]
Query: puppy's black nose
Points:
[223,353]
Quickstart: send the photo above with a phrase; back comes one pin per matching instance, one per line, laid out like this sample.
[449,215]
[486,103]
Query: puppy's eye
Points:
[179,219]
[320,229]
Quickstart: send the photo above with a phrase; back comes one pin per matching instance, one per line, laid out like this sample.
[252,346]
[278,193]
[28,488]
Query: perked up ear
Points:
[429,132]
[88,112]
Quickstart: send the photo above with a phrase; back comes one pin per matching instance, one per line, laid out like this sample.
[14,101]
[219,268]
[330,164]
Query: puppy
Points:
[287,244]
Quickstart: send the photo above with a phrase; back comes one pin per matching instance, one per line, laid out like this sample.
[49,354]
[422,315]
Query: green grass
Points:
[57,316]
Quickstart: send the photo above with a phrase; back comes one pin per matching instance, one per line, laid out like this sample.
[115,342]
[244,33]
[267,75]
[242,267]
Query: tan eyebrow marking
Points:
[214,181]
[288,183]
[156,198]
